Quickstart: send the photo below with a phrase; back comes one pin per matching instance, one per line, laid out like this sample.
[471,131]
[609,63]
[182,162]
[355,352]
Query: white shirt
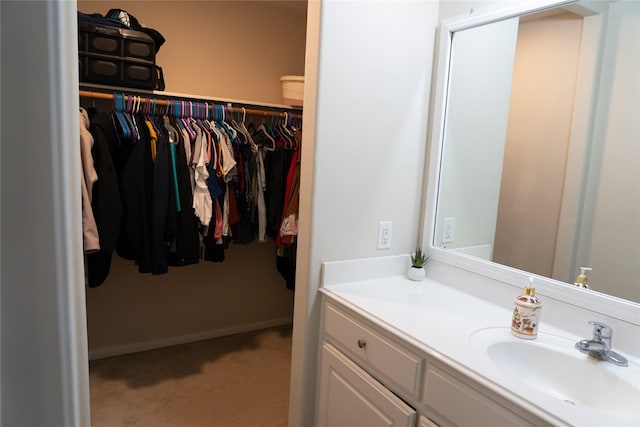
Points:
[202,203]
[91,240]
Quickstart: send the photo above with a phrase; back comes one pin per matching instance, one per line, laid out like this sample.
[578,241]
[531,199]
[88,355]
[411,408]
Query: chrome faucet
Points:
[599,346]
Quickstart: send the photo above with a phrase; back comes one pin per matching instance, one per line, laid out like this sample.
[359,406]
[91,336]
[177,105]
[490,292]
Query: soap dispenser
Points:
[526,313]
[581,280]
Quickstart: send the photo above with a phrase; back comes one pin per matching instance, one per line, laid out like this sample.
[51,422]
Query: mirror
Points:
[539,168]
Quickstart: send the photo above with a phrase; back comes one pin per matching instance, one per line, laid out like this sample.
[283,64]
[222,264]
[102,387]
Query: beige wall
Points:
[609,239]
[223,49]
[133,311]
[538,132]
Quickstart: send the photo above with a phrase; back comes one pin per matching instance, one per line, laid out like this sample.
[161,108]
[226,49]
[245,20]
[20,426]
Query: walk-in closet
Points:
[221,63]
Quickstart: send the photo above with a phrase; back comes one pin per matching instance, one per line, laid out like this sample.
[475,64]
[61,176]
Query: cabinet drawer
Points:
[395,364]
[447,395]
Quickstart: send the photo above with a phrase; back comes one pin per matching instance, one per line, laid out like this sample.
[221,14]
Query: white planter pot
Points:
[416,274]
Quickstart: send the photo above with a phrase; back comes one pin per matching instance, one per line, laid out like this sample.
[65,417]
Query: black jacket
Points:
[106,203]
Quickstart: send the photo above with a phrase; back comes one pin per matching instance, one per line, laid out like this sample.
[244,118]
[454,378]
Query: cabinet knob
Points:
[362,343]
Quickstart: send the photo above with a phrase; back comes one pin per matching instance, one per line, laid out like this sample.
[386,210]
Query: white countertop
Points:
[440,320]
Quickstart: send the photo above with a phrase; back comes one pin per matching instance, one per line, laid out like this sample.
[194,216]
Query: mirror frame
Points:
[608,305]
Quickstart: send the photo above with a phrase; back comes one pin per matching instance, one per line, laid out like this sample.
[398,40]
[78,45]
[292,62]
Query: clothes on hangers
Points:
[191,183]
[287,242]
[136,185]
[184,244]
[106,204]
[160,204]
[289,225]
[91,239]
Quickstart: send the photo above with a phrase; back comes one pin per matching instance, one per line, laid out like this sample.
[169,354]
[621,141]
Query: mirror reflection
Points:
[540,165]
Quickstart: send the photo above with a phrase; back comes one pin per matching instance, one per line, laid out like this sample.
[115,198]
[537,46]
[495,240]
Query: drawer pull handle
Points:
[362,343]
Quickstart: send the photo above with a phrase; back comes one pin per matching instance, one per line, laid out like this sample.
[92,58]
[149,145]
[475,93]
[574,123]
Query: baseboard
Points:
[118,350]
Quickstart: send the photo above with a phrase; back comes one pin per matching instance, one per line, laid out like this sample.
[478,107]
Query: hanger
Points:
[203,111]
[150,114]
[242,135]
[205,126]
[175,112]
[227,128]
[281,136]
[185,120]
[131,118]
[242,129]
[172,133]
[293,130]
[119,119]
[125,115]
[287,135]
[262,130]
[217,119]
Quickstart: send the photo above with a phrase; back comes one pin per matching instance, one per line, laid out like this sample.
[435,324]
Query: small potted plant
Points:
[418,260]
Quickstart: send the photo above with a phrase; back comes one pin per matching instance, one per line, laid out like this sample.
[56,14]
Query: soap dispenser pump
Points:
[526,313]
[581,280]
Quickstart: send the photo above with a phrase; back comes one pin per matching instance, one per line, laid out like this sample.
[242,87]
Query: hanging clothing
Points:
[286,266]
[106,203]
[136,184]
[289,227]
[260,185]
[160,203]
[246,203]
[276,167]
[185,245]
[202,204]
[91,239]
[287,244]
[187,188]
[172,135]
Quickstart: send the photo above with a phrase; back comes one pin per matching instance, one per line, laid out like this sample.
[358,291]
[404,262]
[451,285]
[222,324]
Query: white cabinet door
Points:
[349,397]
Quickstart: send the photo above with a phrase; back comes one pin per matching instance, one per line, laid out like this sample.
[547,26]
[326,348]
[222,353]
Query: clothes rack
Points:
[189,180]
[168,98]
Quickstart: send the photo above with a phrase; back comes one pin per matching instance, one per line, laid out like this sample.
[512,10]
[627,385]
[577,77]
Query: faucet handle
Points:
[600,330]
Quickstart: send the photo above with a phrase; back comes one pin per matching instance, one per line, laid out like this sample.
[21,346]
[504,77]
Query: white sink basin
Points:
[551,365]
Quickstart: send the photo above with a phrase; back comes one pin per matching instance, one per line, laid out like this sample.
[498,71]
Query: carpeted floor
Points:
[236,381]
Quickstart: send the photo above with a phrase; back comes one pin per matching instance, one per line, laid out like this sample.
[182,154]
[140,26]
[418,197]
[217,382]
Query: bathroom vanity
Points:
[440,352]
[397,352]
[370,376]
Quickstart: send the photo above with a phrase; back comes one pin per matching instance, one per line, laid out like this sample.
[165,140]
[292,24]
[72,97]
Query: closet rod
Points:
[165,102]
